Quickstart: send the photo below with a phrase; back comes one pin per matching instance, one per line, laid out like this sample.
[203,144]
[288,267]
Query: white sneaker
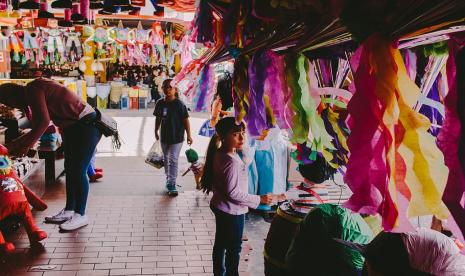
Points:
[77,221]
[62,216]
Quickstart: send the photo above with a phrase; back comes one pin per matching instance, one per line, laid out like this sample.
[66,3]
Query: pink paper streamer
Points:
[367,169]
[450,139]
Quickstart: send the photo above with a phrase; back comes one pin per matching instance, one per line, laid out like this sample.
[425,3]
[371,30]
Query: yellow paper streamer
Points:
[426,172]
[385,91]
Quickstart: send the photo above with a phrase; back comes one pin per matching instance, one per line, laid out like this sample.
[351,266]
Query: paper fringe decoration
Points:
[241,87]
[307,126]
[276,89]
[256,115]
[205,89]
[451,137]
[392,155]
[297,83]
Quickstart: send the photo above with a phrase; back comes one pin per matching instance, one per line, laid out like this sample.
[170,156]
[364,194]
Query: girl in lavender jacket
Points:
[226,175]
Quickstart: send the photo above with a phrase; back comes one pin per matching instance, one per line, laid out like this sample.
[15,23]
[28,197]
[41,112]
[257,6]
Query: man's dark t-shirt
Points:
[172,115]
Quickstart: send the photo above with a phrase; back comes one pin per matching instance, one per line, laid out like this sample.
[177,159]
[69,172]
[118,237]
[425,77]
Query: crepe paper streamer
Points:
[297,82]
[204,89]
[405,155]
[203,22]
[270,118]
[426,174]
[336,128]
[256,115]
[322,140]
[276,89]
[335,102]
[303,154]
[367,167]
[411,63]
[325,70]
[241,87]
[451,137]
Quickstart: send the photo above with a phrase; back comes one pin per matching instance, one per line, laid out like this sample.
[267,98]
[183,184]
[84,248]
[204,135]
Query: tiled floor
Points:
[134,228]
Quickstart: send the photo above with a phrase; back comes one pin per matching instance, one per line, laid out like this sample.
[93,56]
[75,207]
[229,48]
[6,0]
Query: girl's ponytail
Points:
[222,128]
[206,181]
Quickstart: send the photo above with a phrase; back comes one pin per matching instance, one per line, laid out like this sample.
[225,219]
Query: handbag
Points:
[108,127]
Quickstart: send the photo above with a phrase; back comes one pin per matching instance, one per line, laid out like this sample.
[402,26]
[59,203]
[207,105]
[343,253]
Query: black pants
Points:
[228,243]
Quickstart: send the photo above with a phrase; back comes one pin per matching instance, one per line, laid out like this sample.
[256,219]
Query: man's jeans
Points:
[171,156]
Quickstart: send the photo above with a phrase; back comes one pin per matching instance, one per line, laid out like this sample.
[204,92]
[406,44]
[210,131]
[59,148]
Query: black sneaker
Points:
[65,23]
[29,5]
[46,14]
[96,5]
[62,4]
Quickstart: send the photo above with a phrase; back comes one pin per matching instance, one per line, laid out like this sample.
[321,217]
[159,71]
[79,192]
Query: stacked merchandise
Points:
[23,166]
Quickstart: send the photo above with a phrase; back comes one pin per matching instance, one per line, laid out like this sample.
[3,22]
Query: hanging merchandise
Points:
[256,116]
[268,173]
[451,138]
[73,46]
[16,46]
[55,46]
[156,35]
[205,89]
[241,87]
[336,128]
[31,45]
[276,89]
[307,124]
[394,166]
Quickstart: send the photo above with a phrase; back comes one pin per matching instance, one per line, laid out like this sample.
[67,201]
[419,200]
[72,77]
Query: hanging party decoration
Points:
[451,137]
[394,166]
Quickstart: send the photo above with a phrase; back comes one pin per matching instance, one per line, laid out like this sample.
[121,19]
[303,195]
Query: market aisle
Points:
[134,229]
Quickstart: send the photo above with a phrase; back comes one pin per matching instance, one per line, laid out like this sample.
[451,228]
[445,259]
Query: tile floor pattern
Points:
[130,235]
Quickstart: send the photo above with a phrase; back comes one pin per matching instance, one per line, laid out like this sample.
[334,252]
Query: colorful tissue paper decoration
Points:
[394,165]
[205,89]
[307,125]
[276,89]
[47,45]
[451,137]
[241,87]
[256,116]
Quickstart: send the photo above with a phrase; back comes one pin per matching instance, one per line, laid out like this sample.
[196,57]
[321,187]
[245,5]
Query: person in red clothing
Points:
[47,100]
[94,173]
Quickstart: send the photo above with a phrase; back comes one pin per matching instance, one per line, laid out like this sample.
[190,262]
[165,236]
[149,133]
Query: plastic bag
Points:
[155,155]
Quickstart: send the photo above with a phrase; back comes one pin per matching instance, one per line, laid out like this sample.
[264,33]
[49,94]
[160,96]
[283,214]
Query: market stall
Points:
[372,87]
[93,41]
